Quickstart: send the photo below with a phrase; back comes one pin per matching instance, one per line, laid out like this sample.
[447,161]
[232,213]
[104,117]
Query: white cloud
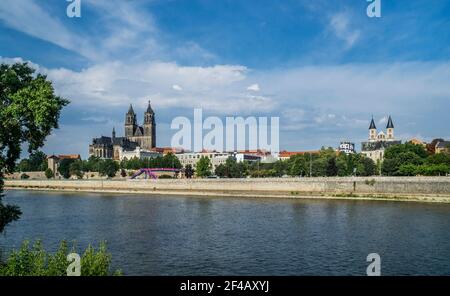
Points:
[177,87]
[327,97]
[253,87]
[124,30]
[117,84]
[28,17]
[340,25]
[383,120]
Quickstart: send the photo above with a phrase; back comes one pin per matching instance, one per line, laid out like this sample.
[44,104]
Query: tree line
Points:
[400,160]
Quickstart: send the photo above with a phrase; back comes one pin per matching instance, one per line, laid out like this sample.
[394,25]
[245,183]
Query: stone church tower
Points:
[149,128]
[144,135]
[379,141]
[130,123]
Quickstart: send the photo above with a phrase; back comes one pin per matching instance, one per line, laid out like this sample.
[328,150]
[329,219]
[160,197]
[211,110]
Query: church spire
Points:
[372,124]
[390,124]
[149,108]
[130,110]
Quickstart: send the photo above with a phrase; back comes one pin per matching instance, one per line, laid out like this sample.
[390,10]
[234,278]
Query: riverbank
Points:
[423,189]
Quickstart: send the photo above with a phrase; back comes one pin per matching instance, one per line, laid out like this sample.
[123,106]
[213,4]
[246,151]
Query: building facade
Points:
[443,146]
[378,141]
[145,135]
[347,147]
[136,136]
[138,153]
[216,158]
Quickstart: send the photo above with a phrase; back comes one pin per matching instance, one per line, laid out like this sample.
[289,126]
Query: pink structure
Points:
[151,172]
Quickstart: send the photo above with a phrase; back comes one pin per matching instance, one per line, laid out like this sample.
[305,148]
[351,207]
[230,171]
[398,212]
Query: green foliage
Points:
[49,173]
[76,169]
[29,111]
[167,161]
[332,169]
[232,169]
[440,158]
[35,261]
[24,166]
[204,166]
[37,162]
[64,167]
[298,166]
[108,167]
[188,171]
[411,160]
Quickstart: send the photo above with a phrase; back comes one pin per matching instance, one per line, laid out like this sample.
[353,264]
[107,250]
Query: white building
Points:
[138,153]
[217,158]
[347,147]
[192,158]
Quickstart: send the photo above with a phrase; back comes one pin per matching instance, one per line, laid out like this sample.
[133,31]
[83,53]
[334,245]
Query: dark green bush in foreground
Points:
[35,261]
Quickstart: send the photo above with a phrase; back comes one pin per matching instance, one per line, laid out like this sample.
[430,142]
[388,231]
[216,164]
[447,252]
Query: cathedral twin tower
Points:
[144,135]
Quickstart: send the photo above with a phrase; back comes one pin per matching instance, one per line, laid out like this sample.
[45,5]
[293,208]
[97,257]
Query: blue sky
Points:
[322,66]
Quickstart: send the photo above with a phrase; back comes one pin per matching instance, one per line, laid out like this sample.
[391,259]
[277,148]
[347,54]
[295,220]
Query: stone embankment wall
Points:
[345,186]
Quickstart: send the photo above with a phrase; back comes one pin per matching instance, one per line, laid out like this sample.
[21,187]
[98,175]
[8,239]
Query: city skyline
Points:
[323,69]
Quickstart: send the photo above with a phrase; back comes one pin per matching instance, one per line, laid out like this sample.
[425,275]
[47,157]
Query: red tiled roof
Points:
[292,153]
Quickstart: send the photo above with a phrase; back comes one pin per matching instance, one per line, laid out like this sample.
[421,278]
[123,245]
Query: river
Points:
[168,235]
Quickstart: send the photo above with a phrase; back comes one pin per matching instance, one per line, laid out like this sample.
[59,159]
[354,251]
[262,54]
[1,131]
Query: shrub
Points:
[24,176]
[35,261]
[49,173]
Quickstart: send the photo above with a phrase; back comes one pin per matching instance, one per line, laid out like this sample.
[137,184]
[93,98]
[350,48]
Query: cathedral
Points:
[379,141]
[136,137]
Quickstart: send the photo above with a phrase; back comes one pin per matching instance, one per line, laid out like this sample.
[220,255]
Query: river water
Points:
[167,235]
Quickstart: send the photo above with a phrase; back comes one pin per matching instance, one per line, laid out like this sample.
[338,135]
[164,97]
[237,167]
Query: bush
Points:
[35,261]
[24,177]
[49,173]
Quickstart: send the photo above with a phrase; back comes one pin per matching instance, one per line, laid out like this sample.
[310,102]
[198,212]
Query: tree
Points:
[204,167]
[171,161]
[38,161]
[49,173]
[24,166]
[188,171]
[367,166]
[402,154]
[331,169]
[279,168]
[344,164]
[29,112]
[76,169]
[297,166]
[108,167]
[64,167]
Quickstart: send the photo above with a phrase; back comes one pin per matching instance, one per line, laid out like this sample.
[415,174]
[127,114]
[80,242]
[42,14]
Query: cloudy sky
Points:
[322,66]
